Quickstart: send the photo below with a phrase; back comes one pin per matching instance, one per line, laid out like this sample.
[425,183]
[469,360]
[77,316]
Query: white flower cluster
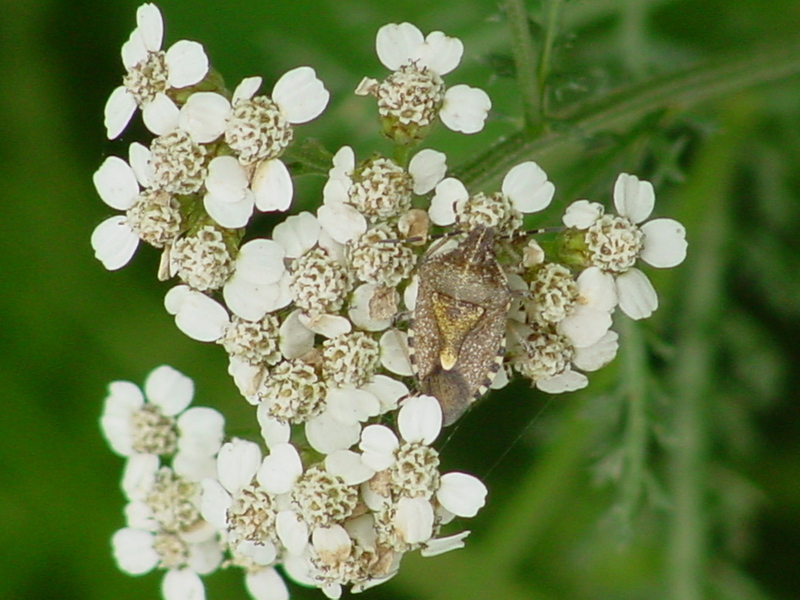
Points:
[312,318]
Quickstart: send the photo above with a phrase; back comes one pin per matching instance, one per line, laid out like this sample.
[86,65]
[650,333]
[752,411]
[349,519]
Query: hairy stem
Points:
[709,81]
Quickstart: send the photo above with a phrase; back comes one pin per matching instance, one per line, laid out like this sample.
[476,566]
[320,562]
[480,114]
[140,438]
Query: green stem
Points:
[699,315]
[525,62]
[553,11]
[713,80]
[634,373]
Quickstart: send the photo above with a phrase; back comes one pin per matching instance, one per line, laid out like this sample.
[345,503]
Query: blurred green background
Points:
[676,474]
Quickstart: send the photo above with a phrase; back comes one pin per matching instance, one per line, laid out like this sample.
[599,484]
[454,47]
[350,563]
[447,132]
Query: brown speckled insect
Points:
[457,338]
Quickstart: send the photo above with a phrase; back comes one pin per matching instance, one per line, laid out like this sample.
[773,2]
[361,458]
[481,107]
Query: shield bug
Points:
[457,338]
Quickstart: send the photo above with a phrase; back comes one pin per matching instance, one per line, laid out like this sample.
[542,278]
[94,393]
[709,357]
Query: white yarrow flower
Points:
[151,73]
[614,243]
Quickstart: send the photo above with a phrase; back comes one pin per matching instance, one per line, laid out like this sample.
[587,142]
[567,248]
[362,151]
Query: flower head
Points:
[152,74]
[414,95]
[613,243]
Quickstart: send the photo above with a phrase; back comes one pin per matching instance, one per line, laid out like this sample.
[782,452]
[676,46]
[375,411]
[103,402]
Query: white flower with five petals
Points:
[614,243]
[151,73]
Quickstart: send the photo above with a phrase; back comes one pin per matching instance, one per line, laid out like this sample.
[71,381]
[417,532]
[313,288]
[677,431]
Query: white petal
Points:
[465,108]
[461,494]
[169,389]
[582,214]
[448,192]
[204,116]
[237,463]
[438,546]
[280,469]
[300,95]
[527,186]
[139,159]
[134,50]
[347,465]
[124,398]
[330,326]
[414,520]
[342,221]
[272,186]
[114,242]
[261,261]
[133,551]
[596,289]
[246,89]
[252,301]
[598,354]
[500,380]
[394,352]
[118,111]
[161,115]
[396,44]
[187,63]
[427,168]
[410,293]
[664,243]
[299,568]
[565,382]
[139,476]
[226,178]
[440,52]
[194,467]
[359,311]
[585,325]
[633,198]
[198,316]
[116,183]
[327,434]
[230,214]
[214,504]
[420,419]
[637,296]
[387,390]
[273,431]
[292,531]
[261,553]
[351,405]
[378,444]
[332,544]
[297,234]
[150,25]
[182,584]
[295,339]
[344,161]
[201,431]
[265,584]
[204,557]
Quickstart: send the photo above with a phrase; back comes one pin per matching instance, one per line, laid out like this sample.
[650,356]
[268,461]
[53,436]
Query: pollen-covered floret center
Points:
[251,516]
[553,294]
[323,499]
[545,354]
[257,130]
[293,392]
[381,190]
[148,78]
[179,165]
[415,471]
[156,218]
[412,95]
[172,501]
[319,283]
[614,243]
[153,432]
